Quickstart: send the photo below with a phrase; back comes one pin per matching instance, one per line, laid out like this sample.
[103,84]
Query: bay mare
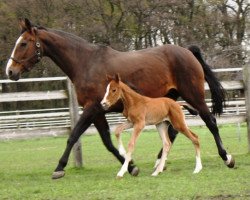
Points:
[164,71]
[140,111]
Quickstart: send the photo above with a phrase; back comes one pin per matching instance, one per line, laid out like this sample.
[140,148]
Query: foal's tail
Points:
[217,91]
[190,109]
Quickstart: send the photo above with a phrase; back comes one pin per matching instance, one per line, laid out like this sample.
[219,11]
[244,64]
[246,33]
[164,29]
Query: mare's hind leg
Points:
[119,129]
[210,121]
[162,129]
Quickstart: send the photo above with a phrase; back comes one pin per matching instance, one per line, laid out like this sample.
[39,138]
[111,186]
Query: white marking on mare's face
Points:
[10,61]
[104,100]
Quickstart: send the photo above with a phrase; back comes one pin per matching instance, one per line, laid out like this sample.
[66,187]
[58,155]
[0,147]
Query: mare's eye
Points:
[23,44]
[114,90]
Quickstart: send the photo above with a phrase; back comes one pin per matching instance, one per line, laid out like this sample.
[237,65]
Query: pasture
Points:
[26,167]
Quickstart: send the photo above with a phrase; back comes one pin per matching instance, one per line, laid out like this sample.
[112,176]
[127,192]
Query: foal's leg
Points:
[162,129]
[172,133]
[198,165]
[128,157]
[195,141]
[101,124]
[180,125]
[119,129]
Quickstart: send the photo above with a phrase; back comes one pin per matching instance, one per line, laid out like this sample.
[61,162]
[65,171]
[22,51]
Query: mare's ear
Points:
[25,25]
[117,78]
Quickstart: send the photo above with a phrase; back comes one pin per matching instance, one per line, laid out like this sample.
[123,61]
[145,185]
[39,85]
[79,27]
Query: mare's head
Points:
[26,53]
[113,92]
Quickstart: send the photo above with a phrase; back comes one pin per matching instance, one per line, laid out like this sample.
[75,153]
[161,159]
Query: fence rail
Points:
[22,123]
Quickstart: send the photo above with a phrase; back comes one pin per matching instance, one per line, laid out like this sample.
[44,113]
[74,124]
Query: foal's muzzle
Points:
[105,105]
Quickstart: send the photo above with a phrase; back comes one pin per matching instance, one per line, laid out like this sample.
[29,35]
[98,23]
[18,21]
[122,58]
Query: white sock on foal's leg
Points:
[124,167]
[166,146]
[198,165]
[122,150]
[157,163]
[160,166]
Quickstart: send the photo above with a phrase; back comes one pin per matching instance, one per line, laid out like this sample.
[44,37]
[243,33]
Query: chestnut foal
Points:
[140,111]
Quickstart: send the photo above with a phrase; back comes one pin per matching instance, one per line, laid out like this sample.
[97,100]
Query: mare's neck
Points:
[129,96]
[68,51]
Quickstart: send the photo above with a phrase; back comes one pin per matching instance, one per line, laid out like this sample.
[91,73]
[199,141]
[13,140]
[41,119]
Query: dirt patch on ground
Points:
[222,197]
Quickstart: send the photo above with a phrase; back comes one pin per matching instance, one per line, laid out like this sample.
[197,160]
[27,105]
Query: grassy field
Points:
[26,167]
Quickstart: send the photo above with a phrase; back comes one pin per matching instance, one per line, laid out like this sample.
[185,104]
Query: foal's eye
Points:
[114,90]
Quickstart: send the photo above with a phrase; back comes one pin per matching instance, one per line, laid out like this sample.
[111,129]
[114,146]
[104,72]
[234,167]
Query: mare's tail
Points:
[217,91]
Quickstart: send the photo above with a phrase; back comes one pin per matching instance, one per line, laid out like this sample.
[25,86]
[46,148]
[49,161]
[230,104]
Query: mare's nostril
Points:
[10,73]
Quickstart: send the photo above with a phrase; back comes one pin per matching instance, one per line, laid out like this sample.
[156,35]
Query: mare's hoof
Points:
[119,177]
[58,174]
[231,163]
[135,171]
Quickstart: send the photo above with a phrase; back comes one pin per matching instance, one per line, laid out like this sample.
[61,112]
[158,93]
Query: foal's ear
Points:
[117,78]
[109,78]
[25,25]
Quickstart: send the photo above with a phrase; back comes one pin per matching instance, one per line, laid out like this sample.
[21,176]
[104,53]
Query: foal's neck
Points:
[129,96]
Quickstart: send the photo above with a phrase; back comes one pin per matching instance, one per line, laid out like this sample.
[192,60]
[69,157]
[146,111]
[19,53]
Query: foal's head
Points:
[113,92]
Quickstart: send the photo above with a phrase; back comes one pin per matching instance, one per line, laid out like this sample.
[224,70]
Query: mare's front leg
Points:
[128,157]
[83,123]
[102,126]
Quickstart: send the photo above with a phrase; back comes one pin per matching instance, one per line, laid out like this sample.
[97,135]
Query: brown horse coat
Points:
[167,70]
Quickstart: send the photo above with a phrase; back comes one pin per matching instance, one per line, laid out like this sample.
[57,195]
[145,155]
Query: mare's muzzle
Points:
[13,74]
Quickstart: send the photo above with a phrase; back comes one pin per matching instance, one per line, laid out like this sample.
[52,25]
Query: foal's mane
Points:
[129,90]
[132,86]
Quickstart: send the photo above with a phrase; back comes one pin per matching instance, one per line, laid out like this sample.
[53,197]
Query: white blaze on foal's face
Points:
[104,101]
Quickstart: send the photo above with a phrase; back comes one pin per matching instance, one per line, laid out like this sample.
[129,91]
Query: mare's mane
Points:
[77,38]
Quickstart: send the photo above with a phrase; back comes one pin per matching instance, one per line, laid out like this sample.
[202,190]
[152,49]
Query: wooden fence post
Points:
[246,79]
[74,117]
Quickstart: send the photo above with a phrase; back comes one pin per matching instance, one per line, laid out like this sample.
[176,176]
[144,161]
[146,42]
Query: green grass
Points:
[26,167]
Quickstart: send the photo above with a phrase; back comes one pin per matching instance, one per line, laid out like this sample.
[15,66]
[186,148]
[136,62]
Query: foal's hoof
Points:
[135,171]
[58,174]
[230,163]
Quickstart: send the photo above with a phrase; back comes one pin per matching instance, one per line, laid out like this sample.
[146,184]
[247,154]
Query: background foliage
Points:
[219,27]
